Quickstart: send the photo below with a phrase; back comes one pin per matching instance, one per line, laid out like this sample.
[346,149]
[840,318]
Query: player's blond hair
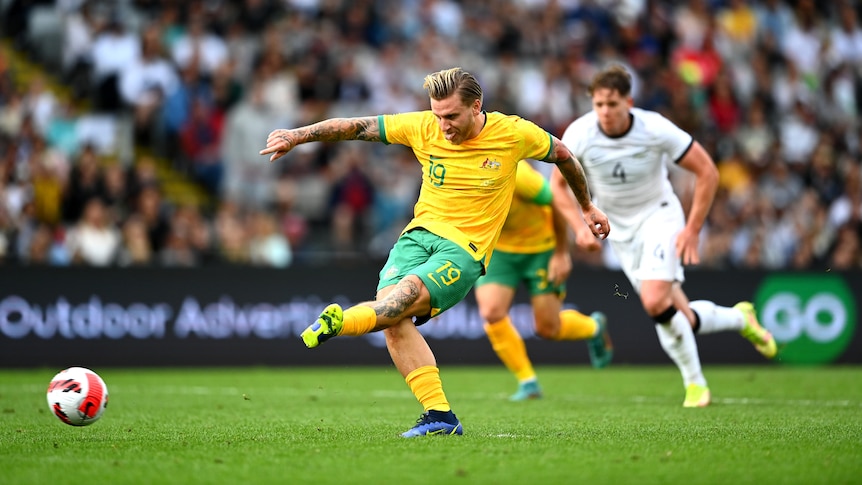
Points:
[445,83]
[614,77]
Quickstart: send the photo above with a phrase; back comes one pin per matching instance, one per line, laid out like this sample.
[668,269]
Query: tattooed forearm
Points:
[572,171]
[339,129]
[577,180]
[398,300]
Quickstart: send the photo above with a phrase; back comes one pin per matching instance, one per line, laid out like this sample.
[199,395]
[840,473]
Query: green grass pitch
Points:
[621,425]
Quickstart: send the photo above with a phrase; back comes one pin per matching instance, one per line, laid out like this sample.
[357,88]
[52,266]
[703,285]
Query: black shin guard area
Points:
[665,316]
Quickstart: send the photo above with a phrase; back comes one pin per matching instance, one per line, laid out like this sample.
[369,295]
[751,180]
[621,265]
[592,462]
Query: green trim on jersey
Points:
[550,147]
[382,130]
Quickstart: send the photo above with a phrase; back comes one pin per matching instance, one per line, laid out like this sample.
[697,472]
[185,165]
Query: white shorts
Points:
[651,254]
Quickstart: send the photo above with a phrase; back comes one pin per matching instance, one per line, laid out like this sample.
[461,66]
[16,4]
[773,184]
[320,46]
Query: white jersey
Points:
[627,174]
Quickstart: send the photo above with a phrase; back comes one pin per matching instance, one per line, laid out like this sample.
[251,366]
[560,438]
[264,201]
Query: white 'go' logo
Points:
[786,317]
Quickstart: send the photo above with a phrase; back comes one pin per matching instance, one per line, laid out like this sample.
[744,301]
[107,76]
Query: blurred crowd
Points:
[771,88]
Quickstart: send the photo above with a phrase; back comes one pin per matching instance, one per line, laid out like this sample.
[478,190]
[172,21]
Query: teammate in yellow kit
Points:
[533,249]
[469,159]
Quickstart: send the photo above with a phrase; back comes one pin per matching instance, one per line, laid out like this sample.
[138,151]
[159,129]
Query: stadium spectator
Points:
[85,183]
[40,104]
[177,109]
[293,225]
[280,84]
[144,84]
[178,251]
[267,246]
[94,240]
[198,45]
[149,207]
[136,249]
[845,256]
[723,105]
[42,249]
[201,141]
[803,43]
[231,235]
[846,37]
[80,24]
[12,114]
[798,136]
[48,179]
[353,194]
[823,177]
[247,181]
[201,238]
[113,49]
[774,19]
[115,195]
[754,137]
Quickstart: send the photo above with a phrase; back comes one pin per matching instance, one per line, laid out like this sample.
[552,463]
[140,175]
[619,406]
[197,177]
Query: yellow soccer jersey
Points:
[466,189]
[529,228]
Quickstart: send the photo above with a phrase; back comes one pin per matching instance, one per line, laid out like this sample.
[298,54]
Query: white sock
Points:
[677,340]
[714,318]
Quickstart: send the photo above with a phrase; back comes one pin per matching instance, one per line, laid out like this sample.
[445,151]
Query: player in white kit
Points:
[623,150]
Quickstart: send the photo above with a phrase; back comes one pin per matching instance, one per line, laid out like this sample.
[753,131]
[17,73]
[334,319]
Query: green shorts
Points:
[447,270]
[510,269]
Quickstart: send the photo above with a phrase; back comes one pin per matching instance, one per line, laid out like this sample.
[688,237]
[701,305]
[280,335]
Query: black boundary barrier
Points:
[225,316]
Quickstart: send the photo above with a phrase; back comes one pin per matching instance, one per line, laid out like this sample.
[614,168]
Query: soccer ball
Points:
[77,396]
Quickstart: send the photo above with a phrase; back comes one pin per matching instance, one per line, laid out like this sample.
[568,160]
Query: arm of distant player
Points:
[573,172]
[560,265]
[564,203]
[697,161]
[281,141]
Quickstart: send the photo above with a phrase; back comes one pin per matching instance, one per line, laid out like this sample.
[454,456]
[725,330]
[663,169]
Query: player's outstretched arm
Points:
[697,161]
[281,141]
[573,172]
[560,265]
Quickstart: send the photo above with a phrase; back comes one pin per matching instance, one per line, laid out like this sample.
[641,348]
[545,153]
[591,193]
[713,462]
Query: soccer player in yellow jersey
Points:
[533,249]
[469,158]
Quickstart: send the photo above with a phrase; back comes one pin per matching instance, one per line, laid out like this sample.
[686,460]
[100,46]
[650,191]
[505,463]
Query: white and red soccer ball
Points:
[77,396]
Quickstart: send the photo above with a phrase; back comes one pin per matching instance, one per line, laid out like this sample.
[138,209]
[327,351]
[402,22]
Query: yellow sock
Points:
[428,389]
[574,325]
[510,348]
[359,320]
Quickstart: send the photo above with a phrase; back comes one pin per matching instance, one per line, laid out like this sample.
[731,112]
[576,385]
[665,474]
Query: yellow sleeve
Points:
[537,141]
[402,128]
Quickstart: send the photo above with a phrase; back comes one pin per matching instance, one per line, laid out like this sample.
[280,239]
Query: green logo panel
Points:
[811,316]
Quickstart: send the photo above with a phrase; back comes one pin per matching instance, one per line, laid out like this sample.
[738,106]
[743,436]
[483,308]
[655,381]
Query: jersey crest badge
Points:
[489,164]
